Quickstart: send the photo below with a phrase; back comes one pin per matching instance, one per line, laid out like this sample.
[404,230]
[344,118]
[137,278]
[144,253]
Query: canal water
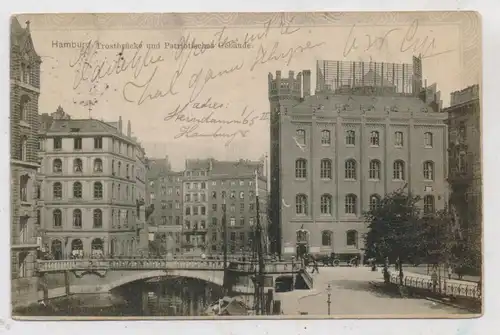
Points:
[157,297]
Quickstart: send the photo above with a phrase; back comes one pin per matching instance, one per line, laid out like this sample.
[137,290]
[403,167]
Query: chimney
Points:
[120,125]
[306,82]
[129,129]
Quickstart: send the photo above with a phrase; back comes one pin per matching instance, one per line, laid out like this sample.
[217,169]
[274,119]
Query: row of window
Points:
[98,191]
[327,238]
[350,138]
[117,146]
[351,169]
[96,247]
[117,218]
[98,167]
[351,204]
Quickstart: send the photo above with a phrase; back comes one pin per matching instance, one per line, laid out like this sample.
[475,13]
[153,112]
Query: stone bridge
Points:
[64,277]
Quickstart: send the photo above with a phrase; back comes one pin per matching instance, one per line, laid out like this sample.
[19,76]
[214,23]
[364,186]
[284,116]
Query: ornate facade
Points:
[24,93]
[93,187]
[337,153]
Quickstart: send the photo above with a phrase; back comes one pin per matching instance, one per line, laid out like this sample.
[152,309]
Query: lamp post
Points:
[293,273]
[328,301]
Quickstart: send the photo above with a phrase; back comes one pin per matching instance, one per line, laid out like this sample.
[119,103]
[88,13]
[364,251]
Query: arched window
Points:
[77,248]
[350,169]
[428,204]
[350,138]
[374,169]
[301,204]
[97,247]
[429,170]
[326,238]
[374,138]
[301,136]
[77,165]
[326,169]
[301,168]
[77,218]
[57,190]
[350,204]
[428,140]
[77,190]
[24,148]
[97,218]
[97,190]
[399,170]
[23,187]
[326,204]
[325,137]
[352,238]
[374,201]
[56,249]
[24,108]
[97,165]
[57,165]
[57,218]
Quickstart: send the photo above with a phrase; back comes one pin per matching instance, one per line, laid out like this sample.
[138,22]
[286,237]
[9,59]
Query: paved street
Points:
[353,295]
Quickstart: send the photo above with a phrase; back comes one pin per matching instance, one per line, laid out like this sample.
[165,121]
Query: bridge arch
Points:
[214,277]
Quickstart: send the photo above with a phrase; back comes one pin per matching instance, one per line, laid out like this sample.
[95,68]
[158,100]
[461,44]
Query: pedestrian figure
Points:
[314,264]
[434,278]
[450,271]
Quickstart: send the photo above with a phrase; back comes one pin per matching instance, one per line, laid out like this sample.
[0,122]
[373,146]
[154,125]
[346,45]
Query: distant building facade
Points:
[232,185]
[370,129]
[93,187]
[24,93]
[165,194]
[465,177]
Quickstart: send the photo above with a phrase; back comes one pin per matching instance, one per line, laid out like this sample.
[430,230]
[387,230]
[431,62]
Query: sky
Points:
[160,89]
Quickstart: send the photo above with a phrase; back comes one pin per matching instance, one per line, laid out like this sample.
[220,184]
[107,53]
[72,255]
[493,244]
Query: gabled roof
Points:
[83,126]
[21,37]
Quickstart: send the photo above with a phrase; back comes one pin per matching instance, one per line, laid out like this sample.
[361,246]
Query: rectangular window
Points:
[77,143]
[242,207]
[57,143]
[98,143]
[214,207]
[398,139]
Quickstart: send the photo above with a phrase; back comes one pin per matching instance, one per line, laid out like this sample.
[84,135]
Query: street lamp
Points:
[328,301]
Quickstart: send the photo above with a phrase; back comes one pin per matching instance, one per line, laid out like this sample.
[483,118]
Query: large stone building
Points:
[371,128]
[465,178]
[209,187]
[165,194]
[93,187]
[24,93]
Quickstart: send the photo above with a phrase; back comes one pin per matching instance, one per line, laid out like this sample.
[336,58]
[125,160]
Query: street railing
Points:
[442,287]
[158,264]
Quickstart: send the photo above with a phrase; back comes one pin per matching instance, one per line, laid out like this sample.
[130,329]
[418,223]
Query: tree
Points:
[394,229]
[438,239]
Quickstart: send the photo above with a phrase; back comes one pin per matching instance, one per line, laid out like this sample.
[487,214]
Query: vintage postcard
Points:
[247,165]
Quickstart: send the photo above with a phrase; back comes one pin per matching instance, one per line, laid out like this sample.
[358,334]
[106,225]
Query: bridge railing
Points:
[120,264]
[442,287]
[147,263]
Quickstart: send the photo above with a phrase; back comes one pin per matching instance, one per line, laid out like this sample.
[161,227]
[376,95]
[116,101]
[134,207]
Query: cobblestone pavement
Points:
[353,295]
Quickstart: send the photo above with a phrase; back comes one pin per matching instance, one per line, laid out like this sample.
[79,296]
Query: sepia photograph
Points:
[292,165]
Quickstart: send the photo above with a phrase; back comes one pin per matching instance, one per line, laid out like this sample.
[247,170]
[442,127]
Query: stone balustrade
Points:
[160,264]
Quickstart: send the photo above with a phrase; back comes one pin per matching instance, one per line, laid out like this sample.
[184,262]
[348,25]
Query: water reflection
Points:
[174,296]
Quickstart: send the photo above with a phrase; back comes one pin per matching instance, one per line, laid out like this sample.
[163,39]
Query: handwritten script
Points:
[425,46]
